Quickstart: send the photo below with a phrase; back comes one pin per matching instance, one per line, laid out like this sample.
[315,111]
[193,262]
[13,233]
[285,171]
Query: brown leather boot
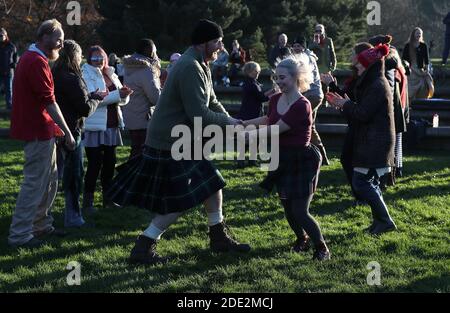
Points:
[144,252]
[221,241]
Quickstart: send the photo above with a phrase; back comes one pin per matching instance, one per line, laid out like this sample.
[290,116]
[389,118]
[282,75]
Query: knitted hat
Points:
[205,31]
[370,56]
[301,41]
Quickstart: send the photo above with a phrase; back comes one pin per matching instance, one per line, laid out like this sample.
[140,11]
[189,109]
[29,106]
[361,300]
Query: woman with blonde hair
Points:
[299,163]
[415,53]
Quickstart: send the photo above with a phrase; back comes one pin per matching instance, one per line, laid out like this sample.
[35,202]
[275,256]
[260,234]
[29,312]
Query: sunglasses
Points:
[97,59]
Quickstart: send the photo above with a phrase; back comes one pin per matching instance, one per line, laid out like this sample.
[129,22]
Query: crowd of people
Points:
[73,107]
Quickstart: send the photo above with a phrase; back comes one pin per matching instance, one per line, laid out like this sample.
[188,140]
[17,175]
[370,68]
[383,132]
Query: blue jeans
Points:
[367,187]
[7,82]
[72,184]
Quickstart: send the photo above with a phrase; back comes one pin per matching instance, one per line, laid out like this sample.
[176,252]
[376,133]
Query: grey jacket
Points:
[142,77]
[316,86]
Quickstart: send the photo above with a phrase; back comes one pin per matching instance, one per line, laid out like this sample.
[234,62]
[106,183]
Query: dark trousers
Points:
[101,161]
[6,81]
[346,160]
[137,142]
[367,187]
[72,184]
[300,220]
[446,49]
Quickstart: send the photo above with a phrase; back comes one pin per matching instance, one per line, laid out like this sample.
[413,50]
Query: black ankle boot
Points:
[88,204]
[321,252]
[302,244]
[144,252]
[221,241]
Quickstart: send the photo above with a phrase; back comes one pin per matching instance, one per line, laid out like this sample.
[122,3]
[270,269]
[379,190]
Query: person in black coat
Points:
[76,104]
[8,62]
[374,132]
[416,50]
[348,89]
[252,98]
[446,51]
[417,60]
[392,65]
[280,51]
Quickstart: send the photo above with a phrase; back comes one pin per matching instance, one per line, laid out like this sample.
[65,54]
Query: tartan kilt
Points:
[297,174]
[156,182]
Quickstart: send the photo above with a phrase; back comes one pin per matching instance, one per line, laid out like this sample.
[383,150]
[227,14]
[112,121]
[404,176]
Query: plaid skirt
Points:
[297,174]
[156,182]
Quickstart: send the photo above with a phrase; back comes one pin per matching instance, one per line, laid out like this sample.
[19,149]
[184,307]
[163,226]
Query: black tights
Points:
[300,220]
[100,159]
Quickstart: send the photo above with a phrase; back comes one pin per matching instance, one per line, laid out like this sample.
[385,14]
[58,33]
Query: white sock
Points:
[215,218]
[153,232]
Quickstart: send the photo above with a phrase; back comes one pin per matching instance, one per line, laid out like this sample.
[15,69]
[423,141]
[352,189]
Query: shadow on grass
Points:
[440,284]
[127,276]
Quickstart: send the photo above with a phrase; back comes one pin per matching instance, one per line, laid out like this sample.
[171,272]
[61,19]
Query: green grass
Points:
[414,259]
[4,123]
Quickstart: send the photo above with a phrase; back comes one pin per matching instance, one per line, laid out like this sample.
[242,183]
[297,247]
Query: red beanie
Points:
[370,56]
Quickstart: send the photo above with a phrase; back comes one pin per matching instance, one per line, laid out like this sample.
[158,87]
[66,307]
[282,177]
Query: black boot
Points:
[321,252]
[88,203]
[303,244]
[144,252]
[382,228]
[221,241]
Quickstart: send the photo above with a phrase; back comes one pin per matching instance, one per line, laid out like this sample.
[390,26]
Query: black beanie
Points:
[205,31]
[301,41]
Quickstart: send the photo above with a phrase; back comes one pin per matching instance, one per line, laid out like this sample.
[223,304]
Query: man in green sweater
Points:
[168,187]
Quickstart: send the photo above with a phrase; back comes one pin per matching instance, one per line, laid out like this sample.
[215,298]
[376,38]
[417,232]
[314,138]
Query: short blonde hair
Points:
[250,67]
[48,27]
[300,69]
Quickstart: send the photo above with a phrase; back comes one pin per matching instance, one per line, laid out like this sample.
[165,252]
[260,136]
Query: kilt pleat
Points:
[298,172]
[156,182]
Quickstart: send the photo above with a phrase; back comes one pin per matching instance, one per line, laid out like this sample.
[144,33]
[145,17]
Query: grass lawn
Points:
[4,123]
[414,259]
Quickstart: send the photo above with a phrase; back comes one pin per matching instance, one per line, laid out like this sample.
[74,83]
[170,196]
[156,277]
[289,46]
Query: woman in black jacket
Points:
[348,89]
[8,62]
[416,55]
[372,116]
[76,104]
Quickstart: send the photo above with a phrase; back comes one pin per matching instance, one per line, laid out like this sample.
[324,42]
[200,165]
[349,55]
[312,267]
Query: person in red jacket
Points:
[36,119]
